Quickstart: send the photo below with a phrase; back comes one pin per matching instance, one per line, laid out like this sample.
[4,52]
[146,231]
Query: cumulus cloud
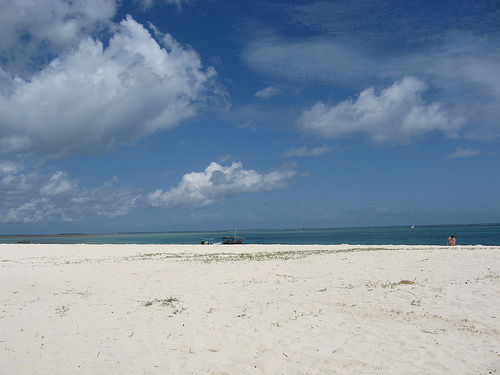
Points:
[304,151]
[461,66]
[465,68]
[30,32]
[398,114]
[31,194]
[216,182]
[93,98]
[267,93]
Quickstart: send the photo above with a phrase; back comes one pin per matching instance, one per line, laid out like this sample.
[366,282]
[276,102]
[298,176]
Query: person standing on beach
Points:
[452,241]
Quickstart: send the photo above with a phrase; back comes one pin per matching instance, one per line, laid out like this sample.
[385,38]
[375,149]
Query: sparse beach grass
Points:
[221,256]
[171,302]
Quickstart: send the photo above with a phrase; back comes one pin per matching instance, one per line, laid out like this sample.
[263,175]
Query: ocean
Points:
[488,235]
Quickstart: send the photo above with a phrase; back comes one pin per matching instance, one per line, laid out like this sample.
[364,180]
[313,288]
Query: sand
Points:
[249,309]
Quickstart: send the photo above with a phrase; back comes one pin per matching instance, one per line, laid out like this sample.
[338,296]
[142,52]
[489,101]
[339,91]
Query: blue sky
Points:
[167,115]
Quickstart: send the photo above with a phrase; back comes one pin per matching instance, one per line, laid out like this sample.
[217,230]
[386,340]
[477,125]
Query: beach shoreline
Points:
[249,309]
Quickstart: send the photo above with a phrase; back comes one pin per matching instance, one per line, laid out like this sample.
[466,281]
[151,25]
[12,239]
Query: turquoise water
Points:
[423,235]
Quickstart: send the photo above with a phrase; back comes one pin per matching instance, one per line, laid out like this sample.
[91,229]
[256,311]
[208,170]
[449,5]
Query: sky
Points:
[198,115]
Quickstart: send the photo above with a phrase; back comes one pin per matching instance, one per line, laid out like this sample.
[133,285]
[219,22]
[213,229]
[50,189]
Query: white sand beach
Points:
[249,309]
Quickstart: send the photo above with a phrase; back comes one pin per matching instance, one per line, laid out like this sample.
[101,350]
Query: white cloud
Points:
[397,114]
[8,167]
[147,4]
[177,3]
[318,59]
[249,125]
[303,151]
[464,153]
[30,30]
[465,68]
[89,100]
[267,93]
[201,189]
[109,200]
[59,183]
[461,66]
[31,194]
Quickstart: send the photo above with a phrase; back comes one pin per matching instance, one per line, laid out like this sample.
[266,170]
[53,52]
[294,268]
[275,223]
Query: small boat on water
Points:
[232,240]
[207,241]
[24,241]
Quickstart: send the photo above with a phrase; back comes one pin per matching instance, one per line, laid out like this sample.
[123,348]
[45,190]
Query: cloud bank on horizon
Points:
[82,80]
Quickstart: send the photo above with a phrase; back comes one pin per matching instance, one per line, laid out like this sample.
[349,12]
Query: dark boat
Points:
[232,240]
